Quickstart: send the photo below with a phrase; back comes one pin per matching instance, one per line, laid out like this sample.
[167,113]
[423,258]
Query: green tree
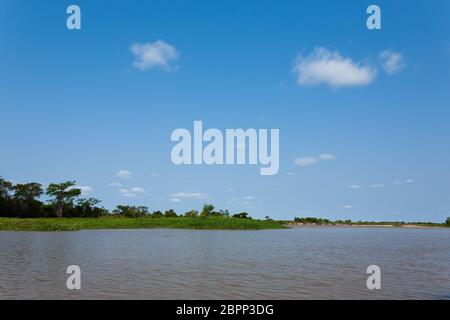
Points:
[25,198]
[206,211]
[225,213]
[5,188]
[64,194]
[157,214]
[28,191]
[170,213]
[242,215]
[447,222]
[191,214]
[131,211]
[88,208]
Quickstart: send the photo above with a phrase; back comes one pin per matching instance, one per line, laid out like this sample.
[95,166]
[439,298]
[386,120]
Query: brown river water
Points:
[298,263]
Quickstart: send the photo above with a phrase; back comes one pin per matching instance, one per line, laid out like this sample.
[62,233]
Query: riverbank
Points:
[371,225]
[75,224]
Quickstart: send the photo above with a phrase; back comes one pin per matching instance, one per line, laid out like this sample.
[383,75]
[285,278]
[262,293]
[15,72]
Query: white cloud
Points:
[305,162]
[348,206]
[124,174]
[129,195]
[137,190]
[175,200]
[354,186]
[115,184]
[190,195]
[290,173]
[407,181]
[392,62]
[325,67]
[249,198]
[326,156]
[156,54]
[377,185]
[309,161]
[85,190]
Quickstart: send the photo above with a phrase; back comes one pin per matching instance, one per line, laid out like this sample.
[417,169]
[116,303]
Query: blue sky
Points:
[75,105]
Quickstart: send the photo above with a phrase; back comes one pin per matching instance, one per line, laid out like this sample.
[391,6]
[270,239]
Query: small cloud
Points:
[156,54]
[354,186]
[309,161]
[331,68]
[290,173]
[124,174]
[127,194]
[137,190]
[85,190]
[326,156]
[407,181]
[378,185]
[155,175]
[348,206]
[115,184]
[190,195]
[175,200]
[391,62]
[305,161]
[249,198]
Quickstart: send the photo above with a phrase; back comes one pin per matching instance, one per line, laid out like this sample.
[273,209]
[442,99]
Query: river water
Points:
[298,263]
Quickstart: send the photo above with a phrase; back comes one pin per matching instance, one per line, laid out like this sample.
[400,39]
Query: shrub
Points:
[206,211]
[191,214]
[170,214]
[131,211]
[242,215]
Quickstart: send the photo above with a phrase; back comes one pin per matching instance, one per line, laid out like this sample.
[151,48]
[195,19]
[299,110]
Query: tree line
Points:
[320,221]
[64,200]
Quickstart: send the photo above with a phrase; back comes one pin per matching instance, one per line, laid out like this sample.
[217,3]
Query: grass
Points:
[75,224]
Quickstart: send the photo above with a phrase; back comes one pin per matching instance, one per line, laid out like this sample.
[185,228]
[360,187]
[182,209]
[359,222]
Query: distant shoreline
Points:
[369,225]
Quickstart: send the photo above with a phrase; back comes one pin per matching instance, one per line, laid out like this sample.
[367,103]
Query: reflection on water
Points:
[299,263]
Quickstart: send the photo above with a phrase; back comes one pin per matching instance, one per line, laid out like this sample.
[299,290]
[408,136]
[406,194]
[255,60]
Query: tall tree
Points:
[207,210]
[5,188]
[25,196]
[63,194]
[28,191]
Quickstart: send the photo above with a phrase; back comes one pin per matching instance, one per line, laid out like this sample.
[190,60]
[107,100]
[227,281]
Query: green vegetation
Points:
[447,222]
[311,220]
[21,210]
[115,222]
